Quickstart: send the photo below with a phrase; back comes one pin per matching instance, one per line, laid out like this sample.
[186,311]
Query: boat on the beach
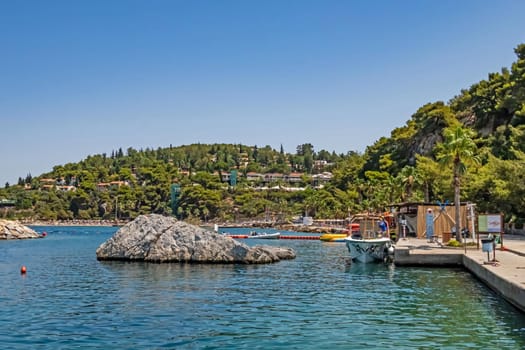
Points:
[372,242]
[264,235]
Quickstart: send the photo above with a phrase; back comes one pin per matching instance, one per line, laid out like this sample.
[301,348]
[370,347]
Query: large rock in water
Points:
[158,238]
[14,230]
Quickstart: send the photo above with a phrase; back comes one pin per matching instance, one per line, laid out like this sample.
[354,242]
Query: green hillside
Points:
[409,165]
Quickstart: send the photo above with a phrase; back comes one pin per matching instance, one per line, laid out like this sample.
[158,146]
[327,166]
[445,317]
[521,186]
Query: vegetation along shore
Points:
[229,183]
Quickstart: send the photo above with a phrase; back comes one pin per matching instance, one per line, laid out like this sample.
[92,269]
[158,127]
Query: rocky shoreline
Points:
[15,230]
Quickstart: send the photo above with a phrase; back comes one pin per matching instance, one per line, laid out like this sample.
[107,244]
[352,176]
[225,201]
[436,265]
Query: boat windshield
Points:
[370,228]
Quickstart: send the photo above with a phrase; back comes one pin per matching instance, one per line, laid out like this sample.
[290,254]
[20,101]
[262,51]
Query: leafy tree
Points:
[307,151]
[428,171]
[515,101]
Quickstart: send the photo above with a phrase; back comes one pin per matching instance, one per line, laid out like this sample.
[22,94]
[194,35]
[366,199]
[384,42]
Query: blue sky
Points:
[87,77]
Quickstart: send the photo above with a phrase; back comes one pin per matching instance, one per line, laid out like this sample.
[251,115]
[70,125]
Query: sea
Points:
[69,300]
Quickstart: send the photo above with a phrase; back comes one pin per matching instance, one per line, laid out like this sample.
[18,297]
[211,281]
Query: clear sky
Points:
[87,77]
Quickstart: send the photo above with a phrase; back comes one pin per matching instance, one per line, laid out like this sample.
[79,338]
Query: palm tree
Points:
[457,150]
[409,177]
[393,189]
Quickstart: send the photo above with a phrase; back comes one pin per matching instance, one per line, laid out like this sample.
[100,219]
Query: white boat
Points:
[372,242]
[264,235]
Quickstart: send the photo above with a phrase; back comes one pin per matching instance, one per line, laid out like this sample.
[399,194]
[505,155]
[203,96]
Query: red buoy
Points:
[23,270]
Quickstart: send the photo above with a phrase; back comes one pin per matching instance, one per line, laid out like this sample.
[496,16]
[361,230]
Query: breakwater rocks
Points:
[157,238]
[15,230]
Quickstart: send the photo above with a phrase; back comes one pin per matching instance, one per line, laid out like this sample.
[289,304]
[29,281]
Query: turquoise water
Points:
[68,299]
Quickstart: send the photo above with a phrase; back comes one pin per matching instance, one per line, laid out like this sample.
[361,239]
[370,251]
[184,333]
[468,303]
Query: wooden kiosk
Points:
[412,219]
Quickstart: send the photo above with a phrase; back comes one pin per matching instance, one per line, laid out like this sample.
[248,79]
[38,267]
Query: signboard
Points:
[491,223]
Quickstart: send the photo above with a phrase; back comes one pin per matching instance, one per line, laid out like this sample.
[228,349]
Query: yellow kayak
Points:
[330,237]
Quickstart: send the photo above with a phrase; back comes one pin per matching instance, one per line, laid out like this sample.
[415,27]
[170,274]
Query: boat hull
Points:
[368,250]
[265,235]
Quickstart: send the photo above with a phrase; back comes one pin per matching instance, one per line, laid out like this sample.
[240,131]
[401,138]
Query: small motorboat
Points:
[372,242]
[264,235]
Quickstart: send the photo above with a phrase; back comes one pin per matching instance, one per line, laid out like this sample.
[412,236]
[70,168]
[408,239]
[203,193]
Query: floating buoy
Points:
[44,234]
[23,270]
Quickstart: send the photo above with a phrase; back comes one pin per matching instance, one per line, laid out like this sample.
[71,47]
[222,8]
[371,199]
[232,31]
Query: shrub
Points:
[453,243]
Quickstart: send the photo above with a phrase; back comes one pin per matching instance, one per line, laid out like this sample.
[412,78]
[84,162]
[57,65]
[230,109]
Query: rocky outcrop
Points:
[157,238]
[14,230]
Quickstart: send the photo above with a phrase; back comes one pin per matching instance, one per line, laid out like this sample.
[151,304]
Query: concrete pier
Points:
[505,275]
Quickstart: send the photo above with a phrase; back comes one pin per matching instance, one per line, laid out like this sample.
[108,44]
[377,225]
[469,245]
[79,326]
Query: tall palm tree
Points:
[458,149]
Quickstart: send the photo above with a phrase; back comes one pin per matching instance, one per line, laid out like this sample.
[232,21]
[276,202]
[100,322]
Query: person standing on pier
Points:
[383,226]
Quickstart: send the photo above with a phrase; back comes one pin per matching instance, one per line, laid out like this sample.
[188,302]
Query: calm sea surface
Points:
[68,299]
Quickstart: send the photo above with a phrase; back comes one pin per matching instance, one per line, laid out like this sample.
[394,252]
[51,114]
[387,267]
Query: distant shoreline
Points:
[109,223]
[72,223]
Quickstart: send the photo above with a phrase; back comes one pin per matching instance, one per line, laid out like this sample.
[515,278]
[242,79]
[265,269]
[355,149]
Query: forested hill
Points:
[269,183]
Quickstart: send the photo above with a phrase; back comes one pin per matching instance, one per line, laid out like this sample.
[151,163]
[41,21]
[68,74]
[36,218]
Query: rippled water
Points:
[68,299]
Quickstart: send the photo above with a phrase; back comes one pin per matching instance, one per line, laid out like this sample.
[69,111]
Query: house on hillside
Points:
[293,177]
[225,175]
[320,179]
[271,177]
[66,188]
[47,181]
[253,176]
